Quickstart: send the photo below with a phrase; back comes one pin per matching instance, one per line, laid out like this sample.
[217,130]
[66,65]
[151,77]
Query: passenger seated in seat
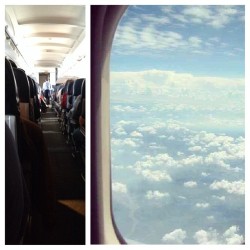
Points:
[75,112]
[79,133]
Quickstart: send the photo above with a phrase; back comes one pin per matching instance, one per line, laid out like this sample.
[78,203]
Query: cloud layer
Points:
[165,29]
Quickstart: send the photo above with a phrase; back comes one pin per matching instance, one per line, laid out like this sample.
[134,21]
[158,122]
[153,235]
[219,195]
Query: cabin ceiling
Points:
[47,33]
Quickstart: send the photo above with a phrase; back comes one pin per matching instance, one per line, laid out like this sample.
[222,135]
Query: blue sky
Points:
[178,125]
[203,40]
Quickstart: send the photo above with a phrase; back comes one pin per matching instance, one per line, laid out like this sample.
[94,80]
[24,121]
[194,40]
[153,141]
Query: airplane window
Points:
[177,125]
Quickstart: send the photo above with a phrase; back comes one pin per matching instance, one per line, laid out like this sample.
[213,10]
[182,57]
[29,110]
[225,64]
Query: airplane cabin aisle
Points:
[68,225]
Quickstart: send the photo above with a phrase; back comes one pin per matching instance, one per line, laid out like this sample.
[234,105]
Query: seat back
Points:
[10,120]
[17,201]
[34,99]
[11,91]
[64,96]
[77,87]
[23,91]
[69,94]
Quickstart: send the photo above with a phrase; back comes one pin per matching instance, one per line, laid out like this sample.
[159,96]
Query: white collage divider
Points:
[88,4]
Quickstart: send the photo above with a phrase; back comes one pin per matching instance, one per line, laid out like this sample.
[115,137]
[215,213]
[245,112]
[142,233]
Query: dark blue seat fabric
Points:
[22,85]
[32,152]
[35,98]
[11,91]
[69,94]
[77,88]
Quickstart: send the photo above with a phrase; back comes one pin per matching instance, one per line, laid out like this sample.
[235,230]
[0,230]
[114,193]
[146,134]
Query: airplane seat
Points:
[77,88]
[16,194]
[11,91]
[17,201]
[12,63]
[73,119]
[69,94]
[32,151]
[24,92]
[77,91]
[34,99]
[64,96]
[83,89]
[12,109]
[63,104]
[78,132]
[57,101]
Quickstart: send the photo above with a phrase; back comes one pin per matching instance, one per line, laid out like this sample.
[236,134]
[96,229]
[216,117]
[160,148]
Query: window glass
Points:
[177,125]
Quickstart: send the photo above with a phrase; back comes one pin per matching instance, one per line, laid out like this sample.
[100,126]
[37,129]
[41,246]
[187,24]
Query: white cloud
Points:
[126,142]
[206,237]
[234,187]
[156,195]
[191,161]
[195,149]
[190,184]
[232,237]
[119,187]
[136,36]
[198,12]
[164,160]
[175,237]
[205,174]
[155,175]
[180,18]
[154,20]
[158,161]
[221,198]
[194,41]
[149,129]
[128,109]
[226,149]
[202,205]
[129,142]
[120,131]
[136,134]
[218,158]
[154,84]
[215,17]
[117,167]
[123,123]
[211,236]
[182,197]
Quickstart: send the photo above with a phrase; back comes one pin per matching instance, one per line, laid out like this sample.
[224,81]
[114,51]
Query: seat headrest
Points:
[11,91]
[13,65]
[32,87]
[77,87]
[22,85]
[70,87]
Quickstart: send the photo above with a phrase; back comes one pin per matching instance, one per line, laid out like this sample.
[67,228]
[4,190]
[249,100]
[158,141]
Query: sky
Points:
[203,40]
[177,125]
